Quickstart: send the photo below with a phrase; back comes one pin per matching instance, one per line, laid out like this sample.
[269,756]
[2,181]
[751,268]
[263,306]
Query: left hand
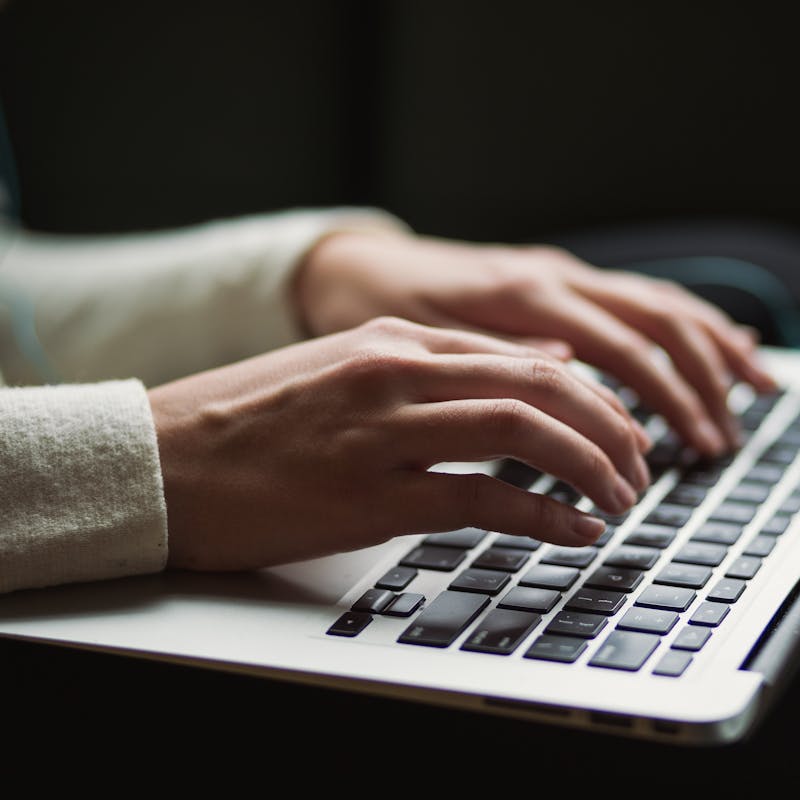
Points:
[546,297]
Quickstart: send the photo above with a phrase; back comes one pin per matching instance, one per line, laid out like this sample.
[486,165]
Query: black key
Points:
[618,578]
[404,605]
[556,648]
[351,623]
[576,623]
[596,601]
[765,473]
[673,598]
[605,536]
[483,581]
[691,638]
[670,515]
[518,473]
[625,650]
[426,556]
[397,578]
[465,538]
[443,621]
[633,557]
[373,601]
[502,558]
[527,598]
[760,546]
[501,631]
[739,513]
[791,505]
[673,663]
[776,525]
[648,620]
[570,556]
[687,494]
[780,453]
[709,614]
[718,532]
[727,590]
[703,475]
[710,555]
[750,492]
[693,576]
[517,542]
[547,576]
[651,536]
[744,567]
[564,493]
[611,519]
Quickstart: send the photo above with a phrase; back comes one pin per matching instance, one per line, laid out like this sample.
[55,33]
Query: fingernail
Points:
[711,438]
[642,480]
[624,494]
[588,527]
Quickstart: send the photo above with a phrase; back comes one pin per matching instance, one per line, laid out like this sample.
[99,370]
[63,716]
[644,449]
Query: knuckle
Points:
[389,326]
[547,376]
[507,416]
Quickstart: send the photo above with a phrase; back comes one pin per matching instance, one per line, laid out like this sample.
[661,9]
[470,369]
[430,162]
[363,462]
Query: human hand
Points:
[327,445]
[611,319]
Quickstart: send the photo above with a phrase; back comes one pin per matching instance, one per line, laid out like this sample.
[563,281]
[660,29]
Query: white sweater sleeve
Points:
[81,494]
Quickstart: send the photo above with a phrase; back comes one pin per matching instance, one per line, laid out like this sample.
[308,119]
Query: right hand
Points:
[326,446]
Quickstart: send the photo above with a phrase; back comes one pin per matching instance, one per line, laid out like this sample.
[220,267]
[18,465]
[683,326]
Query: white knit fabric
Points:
[81,494]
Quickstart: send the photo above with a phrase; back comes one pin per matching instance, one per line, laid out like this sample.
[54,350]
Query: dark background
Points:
[627,131]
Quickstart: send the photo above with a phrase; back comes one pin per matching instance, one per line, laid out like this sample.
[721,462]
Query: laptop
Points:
[681,624]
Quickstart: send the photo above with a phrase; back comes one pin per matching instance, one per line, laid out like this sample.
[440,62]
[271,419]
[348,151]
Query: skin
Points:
[327,445]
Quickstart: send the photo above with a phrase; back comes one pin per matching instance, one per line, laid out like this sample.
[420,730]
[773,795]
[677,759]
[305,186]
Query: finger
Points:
[547,386]
[602,339]
[441,502]
[479,430]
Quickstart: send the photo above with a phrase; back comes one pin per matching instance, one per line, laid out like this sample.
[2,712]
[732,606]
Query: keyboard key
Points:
[776,525]
[780,453]
[750,492]
[703,475]
[444,559]
[673,598]
[670,515]
[625,650]
[441,623]
[597,601]
[518,473]
[502,558]
[651,536]
[570,556]
[744,567]
[727,590]
[517,542]
[791,505]
[527,598]
[501,631]
[740,513]
[709,614]
[648,620]
[718,532]
[397,578]
[577,623]
[404,605]
[351,623]
[465,538]
[618,578]
[564,493]
[546,576]
[673,663]
[705,553]
[633,557]
[693,576]
[483,581]
[556,648]
[373,601]
[763,472]
[687,494]
[760,546]
[691,638]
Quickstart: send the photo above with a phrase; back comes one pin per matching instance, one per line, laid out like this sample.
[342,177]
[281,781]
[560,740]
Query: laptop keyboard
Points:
[670,570]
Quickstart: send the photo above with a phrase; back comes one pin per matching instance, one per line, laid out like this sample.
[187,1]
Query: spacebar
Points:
[444,619]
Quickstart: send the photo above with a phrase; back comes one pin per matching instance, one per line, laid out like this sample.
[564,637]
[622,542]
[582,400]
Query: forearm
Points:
[161,305]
